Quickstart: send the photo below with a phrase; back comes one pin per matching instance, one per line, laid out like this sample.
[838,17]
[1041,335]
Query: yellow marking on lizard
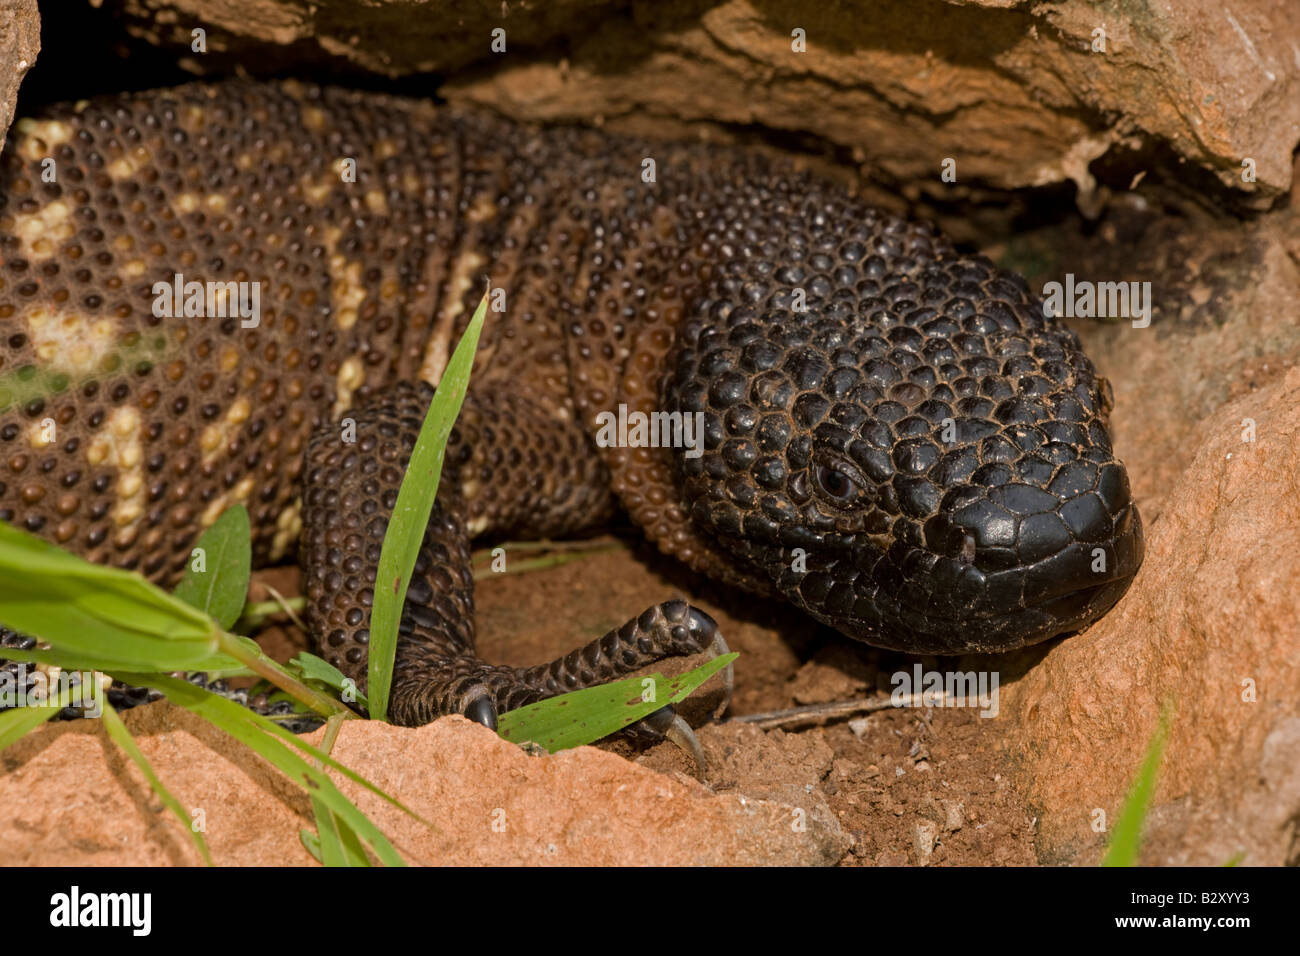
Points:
[214,438]
[438,350]
[39,435]
[352,376]
[213,511]
[52,221]
[317,190]
[288,528]
[243,489]
[68,342]
[482,210]
[346,288]
[190,119]
[119,446]
[313,118]
[39,137]
[125,167]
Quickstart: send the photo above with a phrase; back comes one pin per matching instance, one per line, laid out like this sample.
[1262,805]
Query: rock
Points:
[1044,90]
[20,41]
[1212,624]
[924,837]
[954,815]
[901,86]
[74,799]
[1224,326]
[387,37]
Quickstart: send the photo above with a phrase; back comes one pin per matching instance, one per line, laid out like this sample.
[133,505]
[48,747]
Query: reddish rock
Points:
[1211,624]
[73,799]
[20,41]
[1020,94]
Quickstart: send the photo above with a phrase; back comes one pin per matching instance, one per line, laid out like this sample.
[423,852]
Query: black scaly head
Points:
[896,436]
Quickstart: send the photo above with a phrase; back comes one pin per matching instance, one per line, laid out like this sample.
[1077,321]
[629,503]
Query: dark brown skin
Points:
[935,447]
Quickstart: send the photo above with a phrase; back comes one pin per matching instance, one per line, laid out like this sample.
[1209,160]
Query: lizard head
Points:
[907,449]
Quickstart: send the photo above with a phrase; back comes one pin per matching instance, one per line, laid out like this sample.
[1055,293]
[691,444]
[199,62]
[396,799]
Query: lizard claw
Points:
[680,733]
[483,711]
[667,724]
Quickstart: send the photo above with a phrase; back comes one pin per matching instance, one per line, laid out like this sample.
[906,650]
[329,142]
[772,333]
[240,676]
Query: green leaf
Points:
[20,721]
[270,742]
[105,613]
[215,665]
[247,652]
[180,692]
[122,737]
[583,716]
[338,843]
[311,667]
[220,589]
[1126,838]
[410,517]
[311,843]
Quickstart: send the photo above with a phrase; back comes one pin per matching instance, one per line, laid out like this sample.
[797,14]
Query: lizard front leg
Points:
[548,481]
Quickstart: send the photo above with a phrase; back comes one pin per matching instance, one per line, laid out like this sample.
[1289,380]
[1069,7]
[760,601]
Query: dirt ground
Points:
[910,786]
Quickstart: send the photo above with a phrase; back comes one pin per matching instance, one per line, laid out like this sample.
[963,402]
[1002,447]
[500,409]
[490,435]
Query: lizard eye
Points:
[835,483]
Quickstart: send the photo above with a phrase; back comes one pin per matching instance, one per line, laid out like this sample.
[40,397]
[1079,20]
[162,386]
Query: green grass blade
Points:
[216,664]
[584,716]
[311,667]
[178,691]
[268,741]
[1126,838]
[74,661]
[247,652]
[411,516]
[311,843]
[220,589]
[339,844]
[122,737]
[332,852]
[17,723]
[105,613]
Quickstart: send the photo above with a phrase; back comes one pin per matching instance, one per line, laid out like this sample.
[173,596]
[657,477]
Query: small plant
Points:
[1126,841]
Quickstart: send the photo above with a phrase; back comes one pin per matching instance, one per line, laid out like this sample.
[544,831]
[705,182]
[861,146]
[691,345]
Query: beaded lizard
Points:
[894,438]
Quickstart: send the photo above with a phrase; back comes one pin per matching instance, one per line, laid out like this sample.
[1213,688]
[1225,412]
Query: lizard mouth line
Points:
[1080,603]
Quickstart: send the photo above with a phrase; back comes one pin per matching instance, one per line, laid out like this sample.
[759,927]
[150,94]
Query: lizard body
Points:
[894,437]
